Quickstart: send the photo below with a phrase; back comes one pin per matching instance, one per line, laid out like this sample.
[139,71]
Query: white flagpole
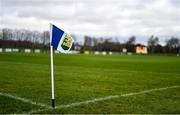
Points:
[52,68]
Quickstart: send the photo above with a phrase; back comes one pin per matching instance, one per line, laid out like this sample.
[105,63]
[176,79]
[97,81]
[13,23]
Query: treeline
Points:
[20,38]
[172,45]
[108,44]
[15,38]
[22,44]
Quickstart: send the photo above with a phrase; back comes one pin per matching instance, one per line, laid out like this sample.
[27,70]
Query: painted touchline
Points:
[105,98]
[24,100]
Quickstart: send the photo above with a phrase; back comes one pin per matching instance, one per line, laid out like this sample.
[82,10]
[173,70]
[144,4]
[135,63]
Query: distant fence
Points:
[42,51]
[20,50]
[33,50]
[86,52]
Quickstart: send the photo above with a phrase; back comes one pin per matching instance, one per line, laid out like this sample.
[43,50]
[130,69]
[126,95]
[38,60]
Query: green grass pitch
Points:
[85,77]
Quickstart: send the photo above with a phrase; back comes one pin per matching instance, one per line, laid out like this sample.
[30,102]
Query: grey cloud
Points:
[39,3]
[96,17]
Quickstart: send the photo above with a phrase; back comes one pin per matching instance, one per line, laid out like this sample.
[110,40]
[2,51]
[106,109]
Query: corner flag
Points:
[60,40]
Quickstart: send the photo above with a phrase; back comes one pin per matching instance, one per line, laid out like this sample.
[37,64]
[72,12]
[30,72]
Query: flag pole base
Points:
[53,103]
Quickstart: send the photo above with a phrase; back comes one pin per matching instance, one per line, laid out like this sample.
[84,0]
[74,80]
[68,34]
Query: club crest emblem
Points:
[67,42]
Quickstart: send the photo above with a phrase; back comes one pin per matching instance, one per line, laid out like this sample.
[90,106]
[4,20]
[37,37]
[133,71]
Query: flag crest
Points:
[67,41]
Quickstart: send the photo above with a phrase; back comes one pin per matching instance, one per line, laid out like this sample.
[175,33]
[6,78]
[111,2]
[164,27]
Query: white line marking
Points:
[148,91]
[24,100]
[105,98]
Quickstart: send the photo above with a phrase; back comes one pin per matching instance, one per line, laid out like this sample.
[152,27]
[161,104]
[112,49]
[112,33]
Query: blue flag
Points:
[60,40]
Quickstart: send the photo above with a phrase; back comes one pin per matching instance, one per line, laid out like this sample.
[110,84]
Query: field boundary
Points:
[106,98]
[24,100]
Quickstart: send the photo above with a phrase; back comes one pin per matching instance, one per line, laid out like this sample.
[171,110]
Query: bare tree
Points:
[5,33]
[45,38]
[88,43]
[130,44]
[131,40]
[1,34]
[152,43]
[173,45]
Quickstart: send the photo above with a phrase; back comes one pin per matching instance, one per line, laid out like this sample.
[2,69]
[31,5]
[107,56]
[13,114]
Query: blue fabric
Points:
[56,36]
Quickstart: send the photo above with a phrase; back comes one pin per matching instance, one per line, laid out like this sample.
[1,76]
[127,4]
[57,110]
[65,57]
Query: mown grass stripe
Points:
[116,70]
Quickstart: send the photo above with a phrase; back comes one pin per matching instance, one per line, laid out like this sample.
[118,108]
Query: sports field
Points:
[89,83]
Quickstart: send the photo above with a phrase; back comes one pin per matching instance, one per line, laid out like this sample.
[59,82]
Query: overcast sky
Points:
[123,18]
